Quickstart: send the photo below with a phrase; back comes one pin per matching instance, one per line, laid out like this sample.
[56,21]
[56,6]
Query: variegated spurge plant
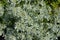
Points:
[30,19]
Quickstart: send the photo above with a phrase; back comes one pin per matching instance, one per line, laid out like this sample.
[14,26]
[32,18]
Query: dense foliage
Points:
[30,19]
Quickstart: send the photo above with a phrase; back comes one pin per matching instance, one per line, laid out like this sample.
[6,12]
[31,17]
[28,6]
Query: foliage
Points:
[30,19]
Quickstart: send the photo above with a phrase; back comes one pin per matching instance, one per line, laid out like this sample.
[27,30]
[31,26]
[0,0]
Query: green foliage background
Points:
[30,19]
